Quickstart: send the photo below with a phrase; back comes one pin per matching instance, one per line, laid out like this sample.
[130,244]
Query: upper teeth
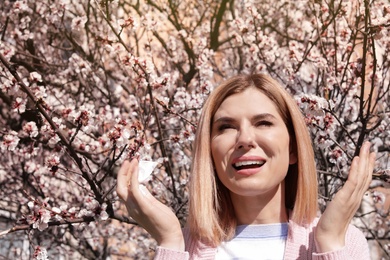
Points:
[238,164]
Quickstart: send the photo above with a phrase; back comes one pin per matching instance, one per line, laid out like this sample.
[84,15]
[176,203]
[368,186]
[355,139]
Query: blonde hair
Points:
[211,217]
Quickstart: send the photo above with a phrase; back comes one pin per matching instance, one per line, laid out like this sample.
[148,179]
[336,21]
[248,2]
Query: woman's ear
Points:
[293,154]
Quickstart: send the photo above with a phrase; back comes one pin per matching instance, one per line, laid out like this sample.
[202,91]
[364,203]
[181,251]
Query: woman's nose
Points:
[245,139]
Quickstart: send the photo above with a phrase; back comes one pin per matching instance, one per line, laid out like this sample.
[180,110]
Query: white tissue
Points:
[145,170]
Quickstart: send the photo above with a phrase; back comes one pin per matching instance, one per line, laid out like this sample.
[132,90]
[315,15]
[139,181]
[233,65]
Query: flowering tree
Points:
[86,84]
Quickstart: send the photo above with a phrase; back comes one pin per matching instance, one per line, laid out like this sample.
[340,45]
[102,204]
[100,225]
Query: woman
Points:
[253,173]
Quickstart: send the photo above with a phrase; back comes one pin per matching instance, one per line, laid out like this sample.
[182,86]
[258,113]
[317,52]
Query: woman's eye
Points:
[225,127]
[264,123]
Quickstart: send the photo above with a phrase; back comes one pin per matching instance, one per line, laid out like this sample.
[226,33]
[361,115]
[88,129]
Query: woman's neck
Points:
[263,209]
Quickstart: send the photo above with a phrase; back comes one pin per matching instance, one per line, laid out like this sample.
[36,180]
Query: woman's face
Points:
[250,144]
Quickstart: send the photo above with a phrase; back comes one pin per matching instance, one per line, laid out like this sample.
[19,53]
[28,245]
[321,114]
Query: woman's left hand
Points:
[333,224]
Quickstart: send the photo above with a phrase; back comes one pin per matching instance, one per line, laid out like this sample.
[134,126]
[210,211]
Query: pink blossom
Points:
[84,213]
[66,112]
[53,141]
[101,212]
[53,161]
[128,22]
[7,52]
[337,156]
[19,105]
[35,77]
[31,166]
[114,134]
[39,91]
[78,23]
[82,118]
[6,85]
[58,122]
[40,216]
[10,141]
[94,209]
[312,104]
[378,197]
[56,210]
[20,6]
[149,22]
[40,253]
[43,219]
[31,129]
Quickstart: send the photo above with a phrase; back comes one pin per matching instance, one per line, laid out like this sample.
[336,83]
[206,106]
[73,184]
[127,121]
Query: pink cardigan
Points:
[300,245]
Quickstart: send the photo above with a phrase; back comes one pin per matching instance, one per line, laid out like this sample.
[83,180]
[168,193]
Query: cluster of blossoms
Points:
[40,216]
[93,209]
[318,118]
[322,124]
[119,134]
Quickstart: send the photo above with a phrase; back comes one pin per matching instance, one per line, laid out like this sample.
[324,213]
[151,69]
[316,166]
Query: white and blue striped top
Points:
[266,241]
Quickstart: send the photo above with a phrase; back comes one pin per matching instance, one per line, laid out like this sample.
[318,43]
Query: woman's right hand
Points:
[152,215]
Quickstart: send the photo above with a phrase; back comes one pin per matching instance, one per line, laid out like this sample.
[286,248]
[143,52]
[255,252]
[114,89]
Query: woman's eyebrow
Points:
[223,119]
[264,116]
[227,119]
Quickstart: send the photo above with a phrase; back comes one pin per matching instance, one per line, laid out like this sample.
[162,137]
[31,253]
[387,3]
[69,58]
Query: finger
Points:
[353,189]
[371,167]
[354,170]
[133,168]
[134,184]
[364,158]
[372,161]
[123,180]
[359,168]
[359,178]
[366,166]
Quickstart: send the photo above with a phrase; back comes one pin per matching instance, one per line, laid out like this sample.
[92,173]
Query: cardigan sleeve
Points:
[163,253]
[356,248]
[169,254]
[194,250]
